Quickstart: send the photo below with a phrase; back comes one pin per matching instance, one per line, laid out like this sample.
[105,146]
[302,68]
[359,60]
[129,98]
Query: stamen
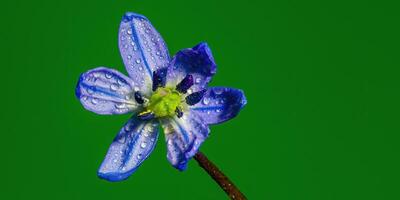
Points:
[185,84]
[146,115]
[178,112]
[195,97]
[139,98]
[159,78]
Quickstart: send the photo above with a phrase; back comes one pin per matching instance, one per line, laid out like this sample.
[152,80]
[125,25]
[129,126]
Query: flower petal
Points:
[142,49]
[183,136]
[197,61]
[220,104]
[106,91]
[130,148]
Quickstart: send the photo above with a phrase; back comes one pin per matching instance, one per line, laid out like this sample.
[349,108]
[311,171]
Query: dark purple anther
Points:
[146,115]
[178,112]
[185,84]
[195,97]
[139,98]
[159,78]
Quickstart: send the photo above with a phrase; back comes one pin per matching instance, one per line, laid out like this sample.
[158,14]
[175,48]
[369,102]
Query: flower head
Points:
[159,90]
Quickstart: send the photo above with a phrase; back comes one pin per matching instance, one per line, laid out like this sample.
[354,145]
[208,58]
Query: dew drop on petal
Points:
[89,91]
[139,156]
[108,75]
[206,101]
[218,90]
[198,79]
[95,101]
[138,61]
[129,31]
[114,86]
[143,144]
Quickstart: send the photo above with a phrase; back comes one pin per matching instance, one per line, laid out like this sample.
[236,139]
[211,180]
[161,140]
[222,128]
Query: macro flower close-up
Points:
[160,92]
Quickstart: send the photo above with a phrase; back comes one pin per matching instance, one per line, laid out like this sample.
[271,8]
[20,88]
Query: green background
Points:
[321,79]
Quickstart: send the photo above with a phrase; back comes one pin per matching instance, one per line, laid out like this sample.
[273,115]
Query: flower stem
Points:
[219,177]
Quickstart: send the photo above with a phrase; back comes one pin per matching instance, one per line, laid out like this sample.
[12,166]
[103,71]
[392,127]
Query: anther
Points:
[178,112]
[195,97]
[139,98]
[159,78]
[146,115]
[185,84]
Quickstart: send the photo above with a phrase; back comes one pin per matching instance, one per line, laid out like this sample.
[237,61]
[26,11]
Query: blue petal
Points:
[220,104]
[106,91]
[183,136]
[130,148]
[197,61]
[142,49]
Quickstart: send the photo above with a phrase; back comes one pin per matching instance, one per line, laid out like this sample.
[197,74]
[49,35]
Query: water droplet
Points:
[129,31]
[120,105]
[108,75]
[90,90]
[114,86]
[206,101]
[127,128]
[139,156]
[158,53]
[95,101]
[218,110]
[129,57]
[135,48]
[152,139]
[198,79]
[115,160]
[120,82]
[138,61]
[189,91]
[140,68]
[218,90]
[208,112]
[169,142]
[143,145]
[84,98]
[133,43]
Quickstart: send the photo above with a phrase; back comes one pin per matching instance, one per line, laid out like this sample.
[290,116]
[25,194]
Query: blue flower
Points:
[159,90]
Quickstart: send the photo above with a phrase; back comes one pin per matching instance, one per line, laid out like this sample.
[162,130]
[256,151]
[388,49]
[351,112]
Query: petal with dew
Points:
[197,61]
[106,91]
[130,148]
[142,49]
[183,136]
[220,104]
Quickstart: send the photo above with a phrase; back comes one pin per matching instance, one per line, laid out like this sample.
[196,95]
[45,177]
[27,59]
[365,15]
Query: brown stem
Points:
[219,177]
